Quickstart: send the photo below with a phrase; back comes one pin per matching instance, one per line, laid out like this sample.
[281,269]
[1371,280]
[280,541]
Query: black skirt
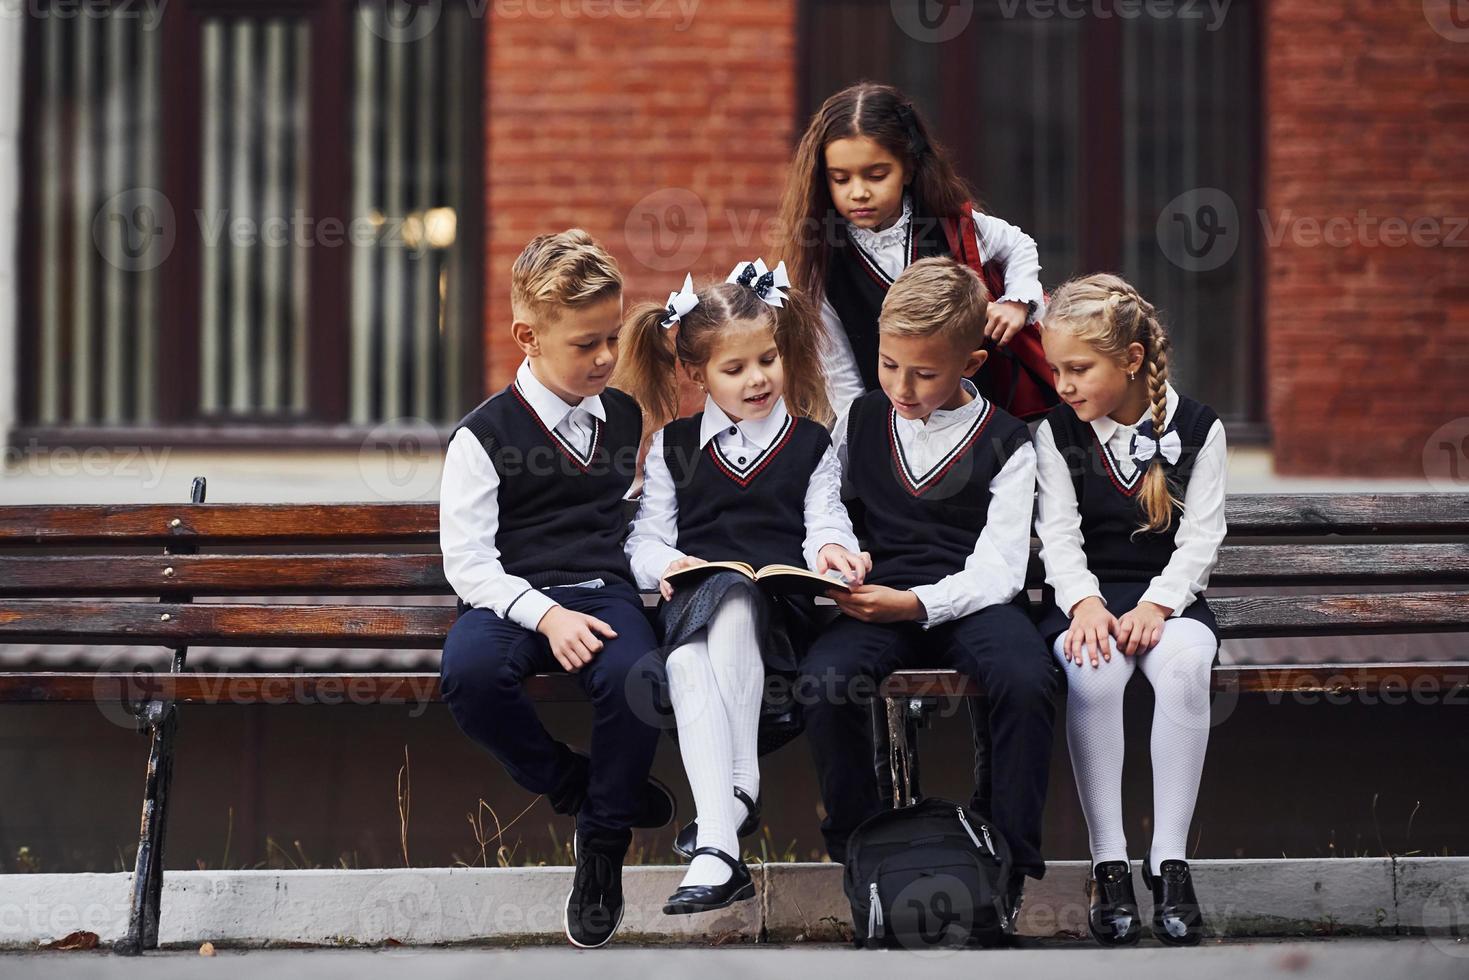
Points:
[786,625]
[1121,597]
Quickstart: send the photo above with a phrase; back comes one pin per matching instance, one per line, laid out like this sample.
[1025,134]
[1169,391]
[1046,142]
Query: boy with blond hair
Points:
[531,529]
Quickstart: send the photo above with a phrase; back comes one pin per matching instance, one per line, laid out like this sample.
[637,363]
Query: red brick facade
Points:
[1366,108]
[612,109]
[1367,344]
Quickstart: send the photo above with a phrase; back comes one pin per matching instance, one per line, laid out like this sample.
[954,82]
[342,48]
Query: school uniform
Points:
[1087,520]
[864,263]
[946,506]
[531,517]
[763,491]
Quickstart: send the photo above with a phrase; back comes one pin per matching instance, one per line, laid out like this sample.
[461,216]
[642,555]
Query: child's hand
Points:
[833,557]
[688,561]
[879,604]
[1005,320]
[1092,626]
[1140,630]
[573,636]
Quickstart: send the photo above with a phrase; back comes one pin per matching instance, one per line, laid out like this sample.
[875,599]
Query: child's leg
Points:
[839,677]
[999,646]
[739,670]
[486,660]
[1095,740]
[703,740]
[623,739]
[1179,668]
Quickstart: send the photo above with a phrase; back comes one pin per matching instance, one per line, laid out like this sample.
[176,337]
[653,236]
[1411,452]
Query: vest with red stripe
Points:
[921,527]
[1109,505]
[750,508]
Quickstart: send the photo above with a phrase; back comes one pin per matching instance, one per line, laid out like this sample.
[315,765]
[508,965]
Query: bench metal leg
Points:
[901,717]
[160,720]
[979,723]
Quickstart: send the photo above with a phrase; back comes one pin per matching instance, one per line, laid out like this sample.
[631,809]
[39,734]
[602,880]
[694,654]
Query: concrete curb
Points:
[795,902]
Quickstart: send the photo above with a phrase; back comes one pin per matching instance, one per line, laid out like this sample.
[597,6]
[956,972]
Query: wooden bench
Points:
[129,575]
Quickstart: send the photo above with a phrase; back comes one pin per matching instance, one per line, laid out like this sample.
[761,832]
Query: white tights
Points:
[1179,670]
[715,681]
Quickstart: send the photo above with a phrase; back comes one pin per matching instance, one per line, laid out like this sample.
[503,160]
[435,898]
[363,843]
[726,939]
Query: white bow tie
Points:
[1145,447]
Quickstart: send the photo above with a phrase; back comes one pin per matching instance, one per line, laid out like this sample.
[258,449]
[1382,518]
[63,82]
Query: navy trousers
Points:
[486,660]
[997,646]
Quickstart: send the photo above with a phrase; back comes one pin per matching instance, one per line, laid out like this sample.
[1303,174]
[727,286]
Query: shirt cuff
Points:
[938,610]
[1036,302]
[1168,598]
[529,608]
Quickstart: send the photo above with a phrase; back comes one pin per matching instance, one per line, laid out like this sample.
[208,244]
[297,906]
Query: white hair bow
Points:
[767,283]
[681,302]
[1145,446]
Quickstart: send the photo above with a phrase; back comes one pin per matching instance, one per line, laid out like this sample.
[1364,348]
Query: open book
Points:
[782,579]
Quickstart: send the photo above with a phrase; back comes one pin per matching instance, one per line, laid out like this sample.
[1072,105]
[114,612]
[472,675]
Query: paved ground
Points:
[1338,959]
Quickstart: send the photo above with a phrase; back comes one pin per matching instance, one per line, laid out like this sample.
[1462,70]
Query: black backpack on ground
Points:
[929,875]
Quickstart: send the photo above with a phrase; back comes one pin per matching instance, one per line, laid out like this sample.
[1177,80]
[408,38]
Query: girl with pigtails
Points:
[752,478]
[1130,515]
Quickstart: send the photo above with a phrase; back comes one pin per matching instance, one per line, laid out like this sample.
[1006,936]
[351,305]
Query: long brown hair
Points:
[889,118]
[648,366]
[1106,312]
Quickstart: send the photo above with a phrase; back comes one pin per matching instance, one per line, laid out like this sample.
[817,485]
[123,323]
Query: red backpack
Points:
[1017,377]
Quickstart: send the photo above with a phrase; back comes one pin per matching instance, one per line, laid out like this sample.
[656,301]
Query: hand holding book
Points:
[839,570]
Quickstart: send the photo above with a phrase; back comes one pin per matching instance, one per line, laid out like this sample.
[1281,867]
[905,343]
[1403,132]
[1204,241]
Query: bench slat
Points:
[417,688]
[423,573]
[78,524]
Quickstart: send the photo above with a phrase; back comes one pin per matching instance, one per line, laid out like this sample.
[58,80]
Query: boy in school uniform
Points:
[944,480]
[531,529]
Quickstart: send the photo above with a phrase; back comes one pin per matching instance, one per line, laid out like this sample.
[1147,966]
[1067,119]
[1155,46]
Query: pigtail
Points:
[647,368]
[799,338]
[1158,499]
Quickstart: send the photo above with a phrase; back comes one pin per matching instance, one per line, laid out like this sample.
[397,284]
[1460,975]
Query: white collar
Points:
[548,405]
[1106,426]
[895,235]
[761,432]
[942,418]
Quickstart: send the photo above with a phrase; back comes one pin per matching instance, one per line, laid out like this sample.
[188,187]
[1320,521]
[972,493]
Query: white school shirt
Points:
[998,240]
[1200,529]
[653,543]
[469,507]
[994,573]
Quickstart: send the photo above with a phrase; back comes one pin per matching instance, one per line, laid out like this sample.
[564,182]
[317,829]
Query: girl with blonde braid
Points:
[1130,515]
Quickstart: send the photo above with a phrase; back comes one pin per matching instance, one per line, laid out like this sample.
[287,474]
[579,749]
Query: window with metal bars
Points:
[249,219]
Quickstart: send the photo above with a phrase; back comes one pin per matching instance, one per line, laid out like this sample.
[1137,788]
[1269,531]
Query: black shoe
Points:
[1177,919]
[656,805]
[688,835]
[1014,898]
[594,907]
[707,898]
[1113,919]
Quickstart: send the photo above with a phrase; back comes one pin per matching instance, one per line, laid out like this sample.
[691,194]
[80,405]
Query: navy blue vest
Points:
[561,517]
[1111,510]
[751,509]
[921,527]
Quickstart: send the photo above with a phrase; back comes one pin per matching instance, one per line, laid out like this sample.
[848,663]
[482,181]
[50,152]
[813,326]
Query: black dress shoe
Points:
[707,898]
[594,906]
[1177,919]
[1113,919]
[688,835]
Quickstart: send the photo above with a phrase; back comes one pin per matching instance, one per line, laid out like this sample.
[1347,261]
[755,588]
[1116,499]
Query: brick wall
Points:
[1367,345]
[695,110]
